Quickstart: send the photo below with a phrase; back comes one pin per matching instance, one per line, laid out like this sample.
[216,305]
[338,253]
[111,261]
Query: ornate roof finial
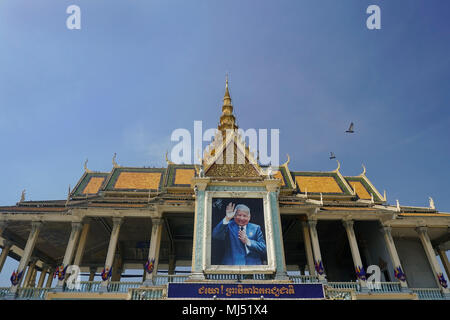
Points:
[68,196]
[432,206]
[338,167]
[115,165]
[85,166]
[167,159]
[227,119]
[287,161]
[22,197]
[398,205]
[364,170]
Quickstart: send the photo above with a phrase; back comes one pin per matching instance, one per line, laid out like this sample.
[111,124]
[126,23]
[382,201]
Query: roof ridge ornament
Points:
[22,196]
[114,163]
[398,205]
[269,172]
[384,196]
[68,197]
[364,170]
[338,167]
[432,206]
[167,158]
[287,161]
[85,166]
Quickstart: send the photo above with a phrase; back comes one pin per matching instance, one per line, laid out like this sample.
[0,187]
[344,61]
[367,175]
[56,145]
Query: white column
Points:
[390,245]
[42,276]
[30,270]
[308,248]
[426,242]
[6,247]
[81,244]
[70,249]
[29,247]
[444,259]
[153,251]
[117,222]
[32,281]
[316,248]
[48,284]
[348,225]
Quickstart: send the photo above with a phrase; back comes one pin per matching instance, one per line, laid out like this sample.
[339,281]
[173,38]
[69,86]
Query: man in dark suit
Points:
[244,241]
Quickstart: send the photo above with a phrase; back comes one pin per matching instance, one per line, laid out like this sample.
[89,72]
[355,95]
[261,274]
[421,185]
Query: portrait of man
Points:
[236,240]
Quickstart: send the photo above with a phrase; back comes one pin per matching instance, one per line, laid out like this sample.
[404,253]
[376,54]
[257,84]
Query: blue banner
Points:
[246,290]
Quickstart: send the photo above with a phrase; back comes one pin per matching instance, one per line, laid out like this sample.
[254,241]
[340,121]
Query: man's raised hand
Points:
[229,211]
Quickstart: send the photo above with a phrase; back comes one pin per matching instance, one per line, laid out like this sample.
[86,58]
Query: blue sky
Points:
[139,69]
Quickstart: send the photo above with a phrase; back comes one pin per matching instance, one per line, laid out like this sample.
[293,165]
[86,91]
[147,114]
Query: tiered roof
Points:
[132,187]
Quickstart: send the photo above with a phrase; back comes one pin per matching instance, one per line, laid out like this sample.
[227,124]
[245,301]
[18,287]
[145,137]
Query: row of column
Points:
[315,264]
[74,253]
[313,249]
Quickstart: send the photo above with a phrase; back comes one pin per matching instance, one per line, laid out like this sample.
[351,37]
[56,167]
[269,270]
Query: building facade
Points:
[304,231]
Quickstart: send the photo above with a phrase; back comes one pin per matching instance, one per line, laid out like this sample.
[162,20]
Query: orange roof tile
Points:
[318,184]
[94,185]
[184,176]
[361,191]
[138,180]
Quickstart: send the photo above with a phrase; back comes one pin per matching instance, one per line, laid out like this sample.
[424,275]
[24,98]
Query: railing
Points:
[147,293]
[304,279]
[85,286]
[94,286]
[238,276]
[4,291]
[428,294]
[162,279]
[385,287]
[345,285]
[29,293]
[117,286]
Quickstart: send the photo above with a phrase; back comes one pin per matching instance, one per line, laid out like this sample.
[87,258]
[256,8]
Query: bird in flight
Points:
[350,129]
[332,156]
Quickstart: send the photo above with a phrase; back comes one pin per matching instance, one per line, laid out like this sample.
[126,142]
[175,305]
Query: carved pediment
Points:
[232,161]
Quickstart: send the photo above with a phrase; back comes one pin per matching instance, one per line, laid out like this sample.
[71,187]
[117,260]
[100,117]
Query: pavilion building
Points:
[320,228]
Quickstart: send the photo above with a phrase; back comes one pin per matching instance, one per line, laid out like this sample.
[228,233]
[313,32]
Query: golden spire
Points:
[227,119]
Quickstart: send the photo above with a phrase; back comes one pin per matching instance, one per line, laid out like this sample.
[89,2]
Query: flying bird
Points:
[332,156]
[350,129]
